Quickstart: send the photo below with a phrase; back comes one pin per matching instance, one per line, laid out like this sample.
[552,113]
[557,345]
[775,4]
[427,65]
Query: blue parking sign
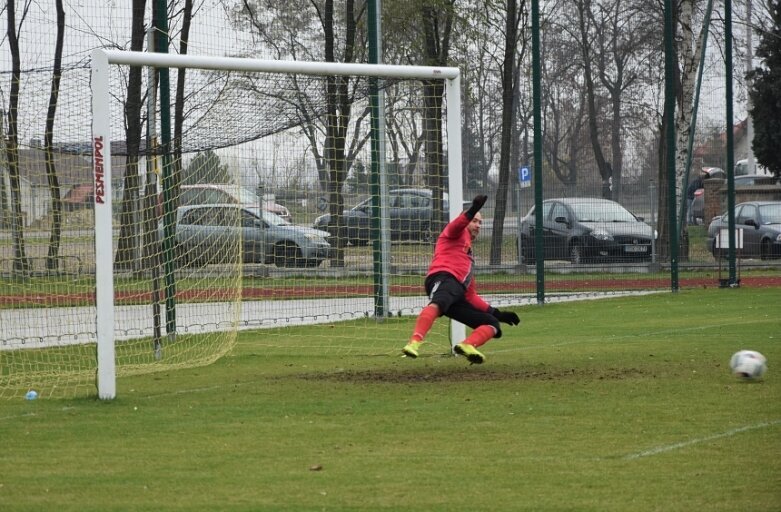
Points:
[524,176]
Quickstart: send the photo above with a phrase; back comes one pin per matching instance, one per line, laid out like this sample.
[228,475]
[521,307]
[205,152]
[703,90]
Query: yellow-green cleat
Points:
[470,352]
[411,349]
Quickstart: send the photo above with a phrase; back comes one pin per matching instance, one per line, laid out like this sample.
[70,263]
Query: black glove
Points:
[477,203]
[507,317]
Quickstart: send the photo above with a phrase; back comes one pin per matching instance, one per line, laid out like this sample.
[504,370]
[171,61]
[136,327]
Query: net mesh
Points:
[253,242]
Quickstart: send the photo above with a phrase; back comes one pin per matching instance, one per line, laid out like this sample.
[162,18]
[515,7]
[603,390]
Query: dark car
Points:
[587,229]
[410,212]
[226,233]
[760,224]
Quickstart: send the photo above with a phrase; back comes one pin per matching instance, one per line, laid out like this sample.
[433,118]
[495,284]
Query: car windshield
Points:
[272,218]
[771,213]
[602,212]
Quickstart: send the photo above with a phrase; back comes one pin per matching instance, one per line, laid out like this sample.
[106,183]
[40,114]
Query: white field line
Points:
[629,337]
[670,447]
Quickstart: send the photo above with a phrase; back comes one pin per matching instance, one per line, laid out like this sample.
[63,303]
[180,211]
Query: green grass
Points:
[609,405]
[698,244]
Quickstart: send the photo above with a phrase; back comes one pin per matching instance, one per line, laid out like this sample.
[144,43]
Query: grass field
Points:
[608,405]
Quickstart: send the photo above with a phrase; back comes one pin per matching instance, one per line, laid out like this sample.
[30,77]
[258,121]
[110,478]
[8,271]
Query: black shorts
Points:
[448,294]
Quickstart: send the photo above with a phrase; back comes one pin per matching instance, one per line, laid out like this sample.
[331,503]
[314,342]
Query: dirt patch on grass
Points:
[474,373]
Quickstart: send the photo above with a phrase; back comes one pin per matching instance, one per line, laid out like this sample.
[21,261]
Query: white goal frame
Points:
[101,159]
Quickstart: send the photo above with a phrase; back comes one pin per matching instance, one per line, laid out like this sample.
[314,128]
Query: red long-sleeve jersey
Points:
[453,254]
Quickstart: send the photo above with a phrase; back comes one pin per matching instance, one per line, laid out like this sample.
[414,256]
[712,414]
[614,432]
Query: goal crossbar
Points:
[168,60]
[101,161]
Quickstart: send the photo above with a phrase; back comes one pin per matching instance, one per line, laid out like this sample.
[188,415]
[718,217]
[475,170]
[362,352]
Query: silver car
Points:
[227,193]
[229,233]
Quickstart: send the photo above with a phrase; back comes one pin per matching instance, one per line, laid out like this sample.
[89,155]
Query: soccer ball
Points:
[748,364]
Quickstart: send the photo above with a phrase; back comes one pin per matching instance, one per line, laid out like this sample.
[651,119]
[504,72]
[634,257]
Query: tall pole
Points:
[379,182]
[669,112]
[152,172]
[537,106]
[730,142]
[160,15]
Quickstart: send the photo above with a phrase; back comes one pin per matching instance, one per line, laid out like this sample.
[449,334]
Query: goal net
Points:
[252,195]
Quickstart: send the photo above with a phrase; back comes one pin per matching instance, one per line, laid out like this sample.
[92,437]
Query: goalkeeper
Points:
[450,286]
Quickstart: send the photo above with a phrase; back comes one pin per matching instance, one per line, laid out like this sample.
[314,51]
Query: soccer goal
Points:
[253,198]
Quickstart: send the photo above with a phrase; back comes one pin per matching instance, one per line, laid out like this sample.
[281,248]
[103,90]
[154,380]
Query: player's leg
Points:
[423,325]
[485,326]
[443,290]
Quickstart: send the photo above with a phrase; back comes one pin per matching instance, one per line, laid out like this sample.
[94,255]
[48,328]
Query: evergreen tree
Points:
[206,168]
[765,95]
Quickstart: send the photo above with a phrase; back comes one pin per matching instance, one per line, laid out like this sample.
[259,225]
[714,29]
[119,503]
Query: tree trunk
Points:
[585,46]
[21,265]
[436,35]
[688,49]
[508,116]
[338,108]
[176,167]
[127,256]
[51,172]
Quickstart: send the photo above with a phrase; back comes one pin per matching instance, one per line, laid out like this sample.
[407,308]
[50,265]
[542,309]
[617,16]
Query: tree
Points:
[403,122]
[563,106]
[21,264]
[358,182]
[624,40]
[587,32]
[686,55]
[480,53]
[51,171]
[765,95]
[127,245]
[437,19]
[314,30]
[206,168]
[179,113]
[513,16]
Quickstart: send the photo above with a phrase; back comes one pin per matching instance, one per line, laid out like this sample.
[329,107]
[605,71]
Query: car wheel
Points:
[576,253]
[286,255]
[717,253]
[764,250]
[526,250]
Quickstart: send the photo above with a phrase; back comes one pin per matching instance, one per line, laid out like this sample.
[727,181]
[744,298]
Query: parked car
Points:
[742,168]
[410,212]
[583,229]
[227,193]
[760,222]
[698,205]
[215,233]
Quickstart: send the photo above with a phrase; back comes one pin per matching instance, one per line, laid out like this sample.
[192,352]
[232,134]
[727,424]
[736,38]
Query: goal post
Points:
[101,88]
[104,252]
